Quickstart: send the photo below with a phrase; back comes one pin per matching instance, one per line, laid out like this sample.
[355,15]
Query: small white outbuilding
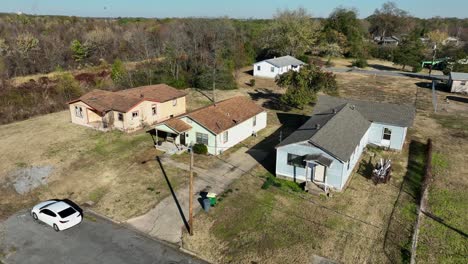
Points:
[273,67]
[458,82]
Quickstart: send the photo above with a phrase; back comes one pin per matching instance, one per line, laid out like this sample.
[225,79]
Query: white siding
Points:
[241,132]
[265,70]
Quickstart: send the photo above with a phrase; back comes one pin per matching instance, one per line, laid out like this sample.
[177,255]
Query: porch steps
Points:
[313,188]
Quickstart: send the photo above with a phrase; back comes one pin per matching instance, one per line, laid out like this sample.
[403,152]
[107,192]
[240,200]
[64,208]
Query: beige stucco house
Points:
[127,110]
[458,82]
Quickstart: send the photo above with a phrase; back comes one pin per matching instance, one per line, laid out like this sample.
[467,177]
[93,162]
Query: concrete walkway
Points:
[166,222]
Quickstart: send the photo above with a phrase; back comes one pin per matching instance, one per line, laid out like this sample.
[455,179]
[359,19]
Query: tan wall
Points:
[145,114]
[79,120]
[167,109]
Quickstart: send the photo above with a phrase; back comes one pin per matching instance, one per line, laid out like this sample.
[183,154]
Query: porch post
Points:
[155,129]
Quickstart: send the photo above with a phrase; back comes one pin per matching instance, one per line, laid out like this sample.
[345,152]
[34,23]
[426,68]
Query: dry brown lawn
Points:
[108,169]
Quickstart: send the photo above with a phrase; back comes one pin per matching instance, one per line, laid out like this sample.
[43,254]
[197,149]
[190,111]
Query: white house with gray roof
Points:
[276,66]
[458,82]
[326,149]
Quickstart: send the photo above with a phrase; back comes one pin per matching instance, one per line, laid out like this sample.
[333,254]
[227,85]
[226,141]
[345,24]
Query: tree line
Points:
[203,53]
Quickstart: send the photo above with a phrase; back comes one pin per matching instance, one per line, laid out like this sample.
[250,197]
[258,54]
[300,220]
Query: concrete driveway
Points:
[167,220]
[95,240]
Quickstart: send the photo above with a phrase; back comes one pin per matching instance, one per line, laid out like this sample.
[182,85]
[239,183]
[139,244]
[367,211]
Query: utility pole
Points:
[434,50]
[191,193]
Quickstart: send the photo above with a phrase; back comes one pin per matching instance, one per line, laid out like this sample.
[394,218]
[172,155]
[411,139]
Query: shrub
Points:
[417,68]
[252,82]
[200,149]
[360,63]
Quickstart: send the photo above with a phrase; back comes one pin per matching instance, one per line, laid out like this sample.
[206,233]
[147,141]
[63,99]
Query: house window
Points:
[225,136]
[174,102]
[296,160]
[134,114]
[154,110]
[272,69]
[79,111]
[387,134]
[462,83]
[120,116]
[258,68]
[349,163]
[254,121]
[202,138]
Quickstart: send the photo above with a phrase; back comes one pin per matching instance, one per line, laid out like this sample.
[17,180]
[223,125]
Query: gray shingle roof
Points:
[386,113]
[459,76]
[338,125]
[338,132]
[284,61]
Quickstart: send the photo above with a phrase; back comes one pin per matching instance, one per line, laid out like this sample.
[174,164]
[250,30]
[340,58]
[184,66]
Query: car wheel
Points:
[34,215]
[56,228]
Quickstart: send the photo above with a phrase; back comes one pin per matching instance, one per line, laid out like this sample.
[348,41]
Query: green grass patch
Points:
[280,183]
[118,142]
[439,163]
[457,124]
[97,194]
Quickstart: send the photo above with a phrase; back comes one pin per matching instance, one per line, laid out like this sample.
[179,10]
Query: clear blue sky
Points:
[216,8]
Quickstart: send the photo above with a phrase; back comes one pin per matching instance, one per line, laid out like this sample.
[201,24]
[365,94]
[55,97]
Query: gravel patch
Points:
[29,178]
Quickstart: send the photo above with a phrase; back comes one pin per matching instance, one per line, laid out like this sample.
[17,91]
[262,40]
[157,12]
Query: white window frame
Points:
[463,83]
[202,136]
[225,136]
[154,110]
[78,111]
[259,68]
[389,134]
[135,114]
[272,69]
[254,121]
[174,102]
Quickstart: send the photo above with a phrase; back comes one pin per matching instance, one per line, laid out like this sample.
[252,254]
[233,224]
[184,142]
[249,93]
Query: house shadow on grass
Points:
[409,192]
[181,212]
[289,123]
[428,85]
[458,99]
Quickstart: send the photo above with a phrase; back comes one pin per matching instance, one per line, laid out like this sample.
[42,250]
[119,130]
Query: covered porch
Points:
[170,136]
[316,166]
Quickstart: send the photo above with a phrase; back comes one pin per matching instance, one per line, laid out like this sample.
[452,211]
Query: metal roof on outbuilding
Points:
[284,61]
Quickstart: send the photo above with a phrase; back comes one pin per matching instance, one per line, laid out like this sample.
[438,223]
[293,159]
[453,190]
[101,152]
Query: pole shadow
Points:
[181,212]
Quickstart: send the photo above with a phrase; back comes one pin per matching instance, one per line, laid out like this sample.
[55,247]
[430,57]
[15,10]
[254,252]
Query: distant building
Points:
[387,41]
[276,66]
[458,82]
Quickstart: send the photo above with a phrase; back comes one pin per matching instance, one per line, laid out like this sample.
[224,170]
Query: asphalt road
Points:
[95,240]
[389,73]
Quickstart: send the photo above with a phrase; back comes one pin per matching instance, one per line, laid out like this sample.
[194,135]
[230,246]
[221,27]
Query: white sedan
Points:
[60,214]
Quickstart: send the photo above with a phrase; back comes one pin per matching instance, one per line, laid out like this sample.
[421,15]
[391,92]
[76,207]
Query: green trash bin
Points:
[212,197]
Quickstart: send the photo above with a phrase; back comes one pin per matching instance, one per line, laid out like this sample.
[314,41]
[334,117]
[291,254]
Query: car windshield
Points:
[67,212]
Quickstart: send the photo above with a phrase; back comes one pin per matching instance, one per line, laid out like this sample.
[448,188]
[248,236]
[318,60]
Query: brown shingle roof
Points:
[124,100]
[178,125]
[226,114]
[159,92]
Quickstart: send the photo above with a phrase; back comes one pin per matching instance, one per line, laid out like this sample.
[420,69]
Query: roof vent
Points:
[317,126]
[334,110]
[353,106]
[141,96]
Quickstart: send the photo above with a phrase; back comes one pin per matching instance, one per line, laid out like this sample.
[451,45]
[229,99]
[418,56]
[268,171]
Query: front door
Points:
[182,139]
[319,173]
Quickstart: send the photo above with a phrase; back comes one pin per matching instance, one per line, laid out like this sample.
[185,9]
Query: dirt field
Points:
[366,223]
[108,169]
